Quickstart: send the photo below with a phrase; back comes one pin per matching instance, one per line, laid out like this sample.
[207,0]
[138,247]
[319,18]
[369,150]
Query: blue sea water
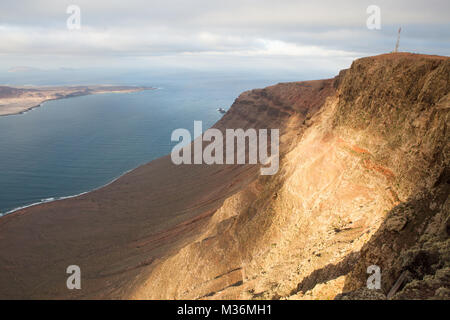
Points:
[70,146]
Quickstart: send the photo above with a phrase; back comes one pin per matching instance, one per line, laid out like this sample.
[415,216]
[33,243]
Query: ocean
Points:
[71,146]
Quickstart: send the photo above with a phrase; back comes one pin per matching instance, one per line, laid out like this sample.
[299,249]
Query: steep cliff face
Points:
[363,180]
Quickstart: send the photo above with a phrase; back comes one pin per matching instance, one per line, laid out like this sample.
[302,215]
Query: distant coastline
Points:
[18,100]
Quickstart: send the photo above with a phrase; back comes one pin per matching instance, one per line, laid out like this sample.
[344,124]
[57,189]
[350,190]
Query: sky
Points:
[215,35]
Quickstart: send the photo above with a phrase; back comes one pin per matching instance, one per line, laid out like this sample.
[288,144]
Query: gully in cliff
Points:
[213,152]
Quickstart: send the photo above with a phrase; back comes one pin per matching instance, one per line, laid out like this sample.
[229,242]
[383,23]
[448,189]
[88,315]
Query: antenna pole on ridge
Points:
[398,39]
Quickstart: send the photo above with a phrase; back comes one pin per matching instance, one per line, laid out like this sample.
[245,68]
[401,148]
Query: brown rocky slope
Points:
[363,180]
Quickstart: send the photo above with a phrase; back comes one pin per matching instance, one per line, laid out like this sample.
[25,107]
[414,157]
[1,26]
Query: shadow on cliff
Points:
[410,247]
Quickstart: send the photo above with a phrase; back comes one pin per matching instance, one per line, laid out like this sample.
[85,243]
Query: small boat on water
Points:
[221,110]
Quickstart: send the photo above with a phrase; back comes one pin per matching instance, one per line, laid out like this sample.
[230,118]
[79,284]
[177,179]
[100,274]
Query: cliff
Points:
[363,180]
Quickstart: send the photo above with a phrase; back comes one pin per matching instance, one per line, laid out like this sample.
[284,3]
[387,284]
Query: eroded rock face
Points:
[363,181]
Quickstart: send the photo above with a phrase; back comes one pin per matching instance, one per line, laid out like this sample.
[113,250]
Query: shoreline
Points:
[55,199]
[16,103]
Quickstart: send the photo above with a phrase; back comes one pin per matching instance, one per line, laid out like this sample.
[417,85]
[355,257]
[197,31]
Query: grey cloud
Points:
[234,29]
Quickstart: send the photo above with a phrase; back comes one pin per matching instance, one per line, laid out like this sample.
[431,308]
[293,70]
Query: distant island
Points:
[15,100]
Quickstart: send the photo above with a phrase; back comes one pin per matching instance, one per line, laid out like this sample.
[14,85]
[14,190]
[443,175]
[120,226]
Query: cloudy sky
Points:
[209,34]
